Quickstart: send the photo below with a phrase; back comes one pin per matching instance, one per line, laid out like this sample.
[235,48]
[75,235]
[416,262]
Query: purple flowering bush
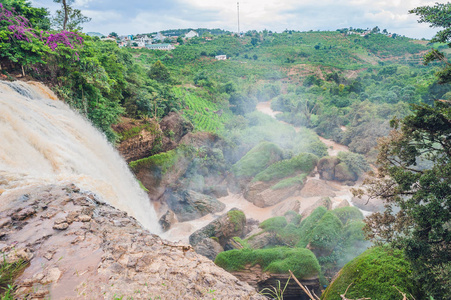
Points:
[21,43]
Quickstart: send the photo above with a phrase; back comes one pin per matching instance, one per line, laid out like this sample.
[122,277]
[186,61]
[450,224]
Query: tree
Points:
[438,15]
[113,34]
[68,18]
[159,72]
[414,178]
[38,17]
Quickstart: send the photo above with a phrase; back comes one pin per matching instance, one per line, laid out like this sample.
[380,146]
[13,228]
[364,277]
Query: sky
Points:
[144,16]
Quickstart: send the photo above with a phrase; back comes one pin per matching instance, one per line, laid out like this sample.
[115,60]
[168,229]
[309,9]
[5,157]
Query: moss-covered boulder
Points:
[273,224]
[344,173]
[326,167]
[326,234]
[346,214]
[302,163]
[223,228]
[302,262]
[257,159]
[158,171]
[308,224]
[374,274]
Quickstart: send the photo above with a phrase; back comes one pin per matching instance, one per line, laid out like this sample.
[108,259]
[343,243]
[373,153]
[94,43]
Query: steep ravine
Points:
[59,181]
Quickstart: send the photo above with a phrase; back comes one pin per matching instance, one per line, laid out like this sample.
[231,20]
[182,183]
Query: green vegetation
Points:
[374,274]
[163,161]
[257,159]
[237,218]
[273,224]
[8,274]
[304,162]
[348,214]
[302,262]
[289,182]
[308,224]
[326,233]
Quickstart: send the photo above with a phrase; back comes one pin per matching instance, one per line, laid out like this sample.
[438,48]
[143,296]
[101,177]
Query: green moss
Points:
[273,224]
[237,218]
[142,186]
[136,131]
[214,238]
[257,159]
[374,275]
[289,182]
[308,224]
[304,162]
[293,216]
[243,243]
[346,214]
[302,262]
[164,161]
[326,233]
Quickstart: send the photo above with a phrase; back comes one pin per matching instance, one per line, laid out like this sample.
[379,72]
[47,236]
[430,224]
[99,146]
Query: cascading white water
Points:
[44,141]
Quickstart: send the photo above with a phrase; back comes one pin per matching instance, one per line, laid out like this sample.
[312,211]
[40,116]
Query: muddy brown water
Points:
[181,231]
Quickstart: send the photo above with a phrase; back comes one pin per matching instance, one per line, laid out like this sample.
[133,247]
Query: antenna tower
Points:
[238,10]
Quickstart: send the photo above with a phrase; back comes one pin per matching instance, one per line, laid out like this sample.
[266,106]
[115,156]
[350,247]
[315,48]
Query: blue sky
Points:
[135,16]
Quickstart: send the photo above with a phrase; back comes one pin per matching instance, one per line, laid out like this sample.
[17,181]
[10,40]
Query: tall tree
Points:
[414,179]
[68,18]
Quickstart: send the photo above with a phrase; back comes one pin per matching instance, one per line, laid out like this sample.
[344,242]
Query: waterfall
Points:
[42,141]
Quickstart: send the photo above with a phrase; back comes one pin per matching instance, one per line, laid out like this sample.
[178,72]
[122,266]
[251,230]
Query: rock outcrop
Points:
[331,168]
[81,248]
[261,194]
[140,139]
[227,226]
[190,205]
[261,280]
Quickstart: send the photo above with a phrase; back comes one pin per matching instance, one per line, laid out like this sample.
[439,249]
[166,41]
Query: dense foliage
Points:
[376,274]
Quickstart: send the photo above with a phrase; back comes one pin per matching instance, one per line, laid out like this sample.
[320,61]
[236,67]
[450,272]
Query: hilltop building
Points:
[191,34]
[165,47]
[221,57]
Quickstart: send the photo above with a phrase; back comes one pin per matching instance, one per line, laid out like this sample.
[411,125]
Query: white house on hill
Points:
[191,34]
[221,57]
[165,47]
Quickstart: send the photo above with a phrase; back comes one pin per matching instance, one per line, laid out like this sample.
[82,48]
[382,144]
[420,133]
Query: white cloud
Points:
[132,16]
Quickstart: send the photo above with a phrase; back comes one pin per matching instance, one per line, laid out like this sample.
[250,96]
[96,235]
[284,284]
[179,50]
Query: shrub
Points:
[302,262]
[237,218]
[327,233]
[273,224]
[346,214]
[304,162]
[289,182]
[374,274]
[308,224]
[355,162]
[257,159]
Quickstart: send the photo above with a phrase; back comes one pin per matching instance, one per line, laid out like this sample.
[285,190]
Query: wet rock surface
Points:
[98,252]
[190,205]
[261,280]
[231,224]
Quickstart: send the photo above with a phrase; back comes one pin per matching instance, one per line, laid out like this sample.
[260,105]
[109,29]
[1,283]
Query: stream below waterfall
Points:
[182,230]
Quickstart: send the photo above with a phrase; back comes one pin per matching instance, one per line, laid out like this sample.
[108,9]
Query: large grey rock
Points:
[261,194]
[326,167]
[229,225]
[110,261]
[167,220]
[282,208]
[190,205]
[209,248]
[343,173]
[318,188]
[321,202]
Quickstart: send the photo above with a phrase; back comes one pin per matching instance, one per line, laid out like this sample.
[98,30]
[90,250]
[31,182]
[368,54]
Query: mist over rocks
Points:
[102,253]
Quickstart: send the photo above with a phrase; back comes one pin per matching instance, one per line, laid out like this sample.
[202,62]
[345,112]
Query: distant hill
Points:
[95,34]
